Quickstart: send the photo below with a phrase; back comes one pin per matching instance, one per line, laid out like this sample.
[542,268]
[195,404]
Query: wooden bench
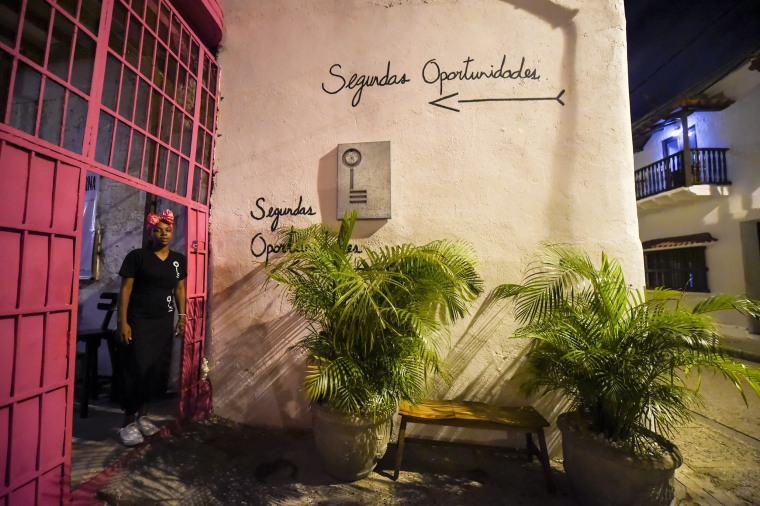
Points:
[478,415]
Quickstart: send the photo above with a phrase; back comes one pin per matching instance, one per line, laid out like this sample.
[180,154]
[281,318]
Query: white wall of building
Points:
[734,260]
[503,175]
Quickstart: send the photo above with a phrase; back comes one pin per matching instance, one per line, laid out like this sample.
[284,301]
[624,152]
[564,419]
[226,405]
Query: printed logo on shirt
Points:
[169,303]
[176,267]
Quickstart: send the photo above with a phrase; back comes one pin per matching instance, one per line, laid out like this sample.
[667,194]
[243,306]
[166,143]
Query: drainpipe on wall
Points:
[687,172]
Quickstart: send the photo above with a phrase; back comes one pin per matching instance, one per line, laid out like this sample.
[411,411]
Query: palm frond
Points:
[379,319]
[726,302]
[617,352]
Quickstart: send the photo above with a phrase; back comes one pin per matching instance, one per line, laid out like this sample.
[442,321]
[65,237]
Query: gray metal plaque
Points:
[364,179]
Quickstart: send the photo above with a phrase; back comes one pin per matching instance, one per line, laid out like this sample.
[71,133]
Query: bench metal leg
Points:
[544,457]
[400,449]
[530,447]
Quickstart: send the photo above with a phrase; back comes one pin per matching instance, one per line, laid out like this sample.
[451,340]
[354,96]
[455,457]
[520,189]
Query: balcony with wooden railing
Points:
[707,166]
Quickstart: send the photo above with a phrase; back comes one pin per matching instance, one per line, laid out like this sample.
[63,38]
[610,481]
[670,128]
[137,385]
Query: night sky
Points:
[674,44]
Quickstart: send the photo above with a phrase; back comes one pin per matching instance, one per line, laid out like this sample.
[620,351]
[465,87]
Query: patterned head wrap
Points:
[152,220]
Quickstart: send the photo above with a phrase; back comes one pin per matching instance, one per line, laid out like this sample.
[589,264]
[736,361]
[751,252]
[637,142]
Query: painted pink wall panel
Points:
[26,495]
[200,318]
[201,274]
[202,227]
[4,447]
[191,276]
[34,270]
[7,339]
[66,200]
[189,397]
[52,430]
[192,224]
[28,354]
[15,166]
[56,348]
[51,487]
[39,203]
[24,433]
[197,360]
[10,256]
[188,378]
[61,281]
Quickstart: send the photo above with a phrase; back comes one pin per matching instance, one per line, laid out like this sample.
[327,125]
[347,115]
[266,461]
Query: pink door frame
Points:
[170,155]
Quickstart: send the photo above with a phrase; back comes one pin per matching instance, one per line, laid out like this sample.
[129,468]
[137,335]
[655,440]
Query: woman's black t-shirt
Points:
[154,282]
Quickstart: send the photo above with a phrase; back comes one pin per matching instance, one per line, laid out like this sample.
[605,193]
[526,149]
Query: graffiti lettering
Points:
[276,212]
[361,81]
[90,183]
[433,73]
[260,247]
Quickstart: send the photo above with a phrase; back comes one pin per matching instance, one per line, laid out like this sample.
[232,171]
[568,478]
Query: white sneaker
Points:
[146,427]
[130,435]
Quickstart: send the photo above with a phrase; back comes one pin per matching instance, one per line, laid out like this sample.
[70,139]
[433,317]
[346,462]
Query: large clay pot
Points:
[602,475]
[349,446]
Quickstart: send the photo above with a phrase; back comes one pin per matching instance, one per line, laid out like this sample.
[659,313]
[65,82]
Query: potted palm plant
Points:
[376,322]
[620,355]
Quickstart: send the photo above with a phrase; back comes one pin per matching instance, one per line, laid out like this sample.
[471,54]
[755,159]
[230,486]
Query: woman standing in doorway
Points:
[153,281]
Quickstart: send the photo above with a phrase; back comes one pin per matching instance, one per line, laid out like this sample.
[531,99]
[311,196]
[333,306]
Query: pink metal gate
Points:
[39,234]
[195,392]
[125,89]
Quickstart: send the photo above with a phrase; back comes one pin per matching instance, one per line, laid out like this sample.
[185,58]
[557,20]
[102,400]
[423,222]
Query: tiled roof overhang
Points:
[680,241]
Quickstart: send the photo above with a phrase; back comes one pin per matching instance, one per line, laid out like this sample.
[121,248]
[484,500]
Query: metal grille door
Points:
[124,85]
[195,393]
[39,221]
[124,89]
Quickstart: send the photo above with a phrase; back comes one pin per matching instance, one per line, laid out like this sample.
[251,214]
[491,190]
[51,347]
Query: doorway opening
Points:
[114,224]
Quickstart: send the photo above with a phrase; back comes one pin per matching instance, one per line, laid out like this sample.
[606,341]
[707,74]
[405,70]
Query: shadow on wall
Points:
[254,369]
[257,371]
[558,215]
[496,383]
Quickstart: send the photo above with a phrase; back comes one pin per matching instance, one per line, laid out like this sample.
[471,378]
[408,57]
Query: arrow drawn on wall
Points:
[438,102]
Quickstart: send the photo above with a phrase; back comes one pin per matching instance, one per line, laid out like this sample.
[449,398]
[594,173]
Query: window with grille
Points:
[47,56]
[680,269]
[137,93]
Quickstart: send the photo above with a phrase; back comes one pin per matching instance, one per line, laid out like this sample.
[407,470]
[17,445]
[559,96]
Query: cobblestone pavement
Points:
[720,467]
[721,449]
[219,462]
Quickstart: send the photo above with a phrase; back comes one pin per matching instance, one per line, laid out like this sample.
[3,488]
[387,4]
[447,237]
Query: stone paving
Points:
[219,462]
[719,467]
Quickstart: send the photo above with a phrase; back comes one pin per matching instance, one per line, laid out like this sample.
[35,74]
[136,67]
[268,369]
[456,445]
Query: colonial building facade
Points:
[696,188]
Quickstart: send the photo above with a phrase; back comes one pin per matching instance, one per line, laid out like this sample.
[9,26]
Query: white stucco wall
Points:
[502,175]
[732,260]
